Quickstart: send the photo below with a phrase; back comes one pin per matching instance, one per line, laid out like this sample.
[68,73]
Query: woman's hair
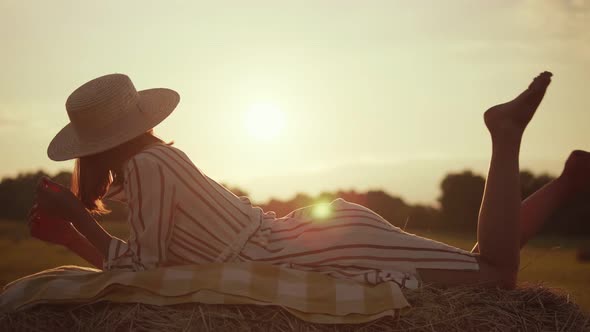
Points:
[94,174]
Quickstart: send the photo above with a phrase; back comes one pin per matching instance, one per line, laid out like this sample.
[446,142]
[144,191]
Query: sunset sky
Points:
[286,96]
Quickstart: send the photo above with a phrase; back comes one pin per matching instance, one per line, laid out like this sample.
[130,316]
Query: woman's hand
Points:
[58,202]
[51,229]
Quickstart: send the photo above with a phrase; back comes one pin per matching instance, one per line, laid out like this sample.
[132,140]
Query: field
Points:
[550,259]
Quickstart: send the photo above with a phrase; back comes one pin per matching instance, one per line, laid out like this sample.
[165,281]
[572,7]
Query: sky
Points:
[279,97]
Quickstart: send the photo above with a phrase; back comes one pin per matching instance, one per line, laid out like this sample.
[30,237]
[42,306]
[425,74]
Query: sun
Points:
[264,121]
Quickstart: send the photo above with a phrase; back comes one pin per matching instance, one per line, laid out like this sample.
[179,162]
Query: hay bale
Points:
[528,308]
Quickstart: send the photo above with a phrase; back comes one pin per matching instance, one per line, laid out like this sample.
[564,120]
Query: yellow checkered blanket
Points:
[311,296]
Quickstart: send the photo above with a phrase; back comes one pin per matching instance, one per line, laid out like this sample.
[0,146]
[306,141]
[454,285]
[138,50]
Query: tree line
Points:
[457,209]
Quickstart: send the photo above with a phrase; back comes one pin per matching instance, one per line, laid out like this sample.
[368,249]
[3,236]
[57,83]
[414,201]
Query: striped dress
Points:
[178,215]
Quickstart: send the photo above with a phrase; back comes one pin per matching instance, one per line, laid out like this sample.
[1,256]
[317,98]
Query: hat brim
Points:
[154,106]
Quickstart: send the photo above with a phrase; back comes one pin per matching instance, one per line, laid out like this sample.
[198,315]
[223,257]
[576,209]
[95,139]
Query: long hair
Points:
[93,174]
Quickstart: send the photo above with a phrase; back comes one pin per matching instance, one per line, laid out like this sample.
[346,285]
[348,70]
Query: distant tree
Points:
[462,194]
[423,217]
[325,197]
[571,219]
[393,209]
[300,200]
[64,178]
[281,208]
[460,200]
[353,197]
[17,194]
[235,190]
[529,183]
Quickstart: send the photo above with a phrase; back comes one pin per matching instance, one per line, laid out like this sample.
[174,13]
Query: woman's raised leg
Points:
[537,208]
[498,232]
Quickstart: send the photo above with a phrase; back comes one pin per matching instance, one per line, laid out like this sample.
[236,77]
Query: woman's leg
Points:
[538,207]
[498,232]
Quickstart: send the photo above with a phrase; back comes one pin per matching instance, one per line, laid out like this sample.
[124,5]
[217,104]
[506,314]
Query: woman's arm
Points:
[98,245]
[55,206]
[61,232]
[93,234]
[151,215]
[83,248]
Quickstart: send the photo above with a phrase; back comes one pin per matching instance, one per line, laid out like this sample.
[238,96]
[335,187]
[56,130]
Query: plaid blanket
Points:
[311,296]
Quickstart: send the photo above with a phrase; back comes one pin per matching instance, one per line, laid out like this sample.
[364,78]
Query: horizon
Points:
[271,93]
[400,184]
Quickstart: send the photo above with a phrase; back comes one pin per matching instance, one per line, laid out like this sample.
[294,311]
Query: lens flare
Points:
[321,210]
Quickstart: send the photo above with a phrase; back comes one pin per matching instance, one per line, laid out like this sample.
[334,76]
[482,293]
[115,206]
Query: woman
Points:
[177,215]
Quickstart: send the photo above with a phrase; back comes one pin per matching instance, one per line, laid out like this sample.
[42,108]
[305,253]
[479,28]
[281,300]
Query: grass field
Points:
[550,259]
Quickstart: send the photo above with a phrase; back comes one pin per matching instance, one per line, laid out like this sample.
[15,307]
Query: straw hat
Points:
[107,112]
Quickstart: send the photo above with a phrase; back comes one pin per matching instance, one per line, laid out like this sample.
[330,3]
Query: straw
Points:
[527,308]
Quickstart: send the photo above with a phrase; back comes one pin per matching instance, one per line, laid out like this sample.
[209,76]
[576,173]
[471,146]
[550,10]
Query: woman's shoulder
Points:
[159,155]
[155,153]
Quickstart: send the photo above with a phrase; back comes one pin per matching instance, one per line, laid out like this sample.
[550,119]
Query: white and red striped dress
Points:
[178,215]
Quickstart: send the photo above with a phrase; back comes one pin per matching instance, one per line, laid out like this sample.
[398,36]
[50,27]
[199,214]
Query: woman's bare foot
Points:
[576,172]
[511,118]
